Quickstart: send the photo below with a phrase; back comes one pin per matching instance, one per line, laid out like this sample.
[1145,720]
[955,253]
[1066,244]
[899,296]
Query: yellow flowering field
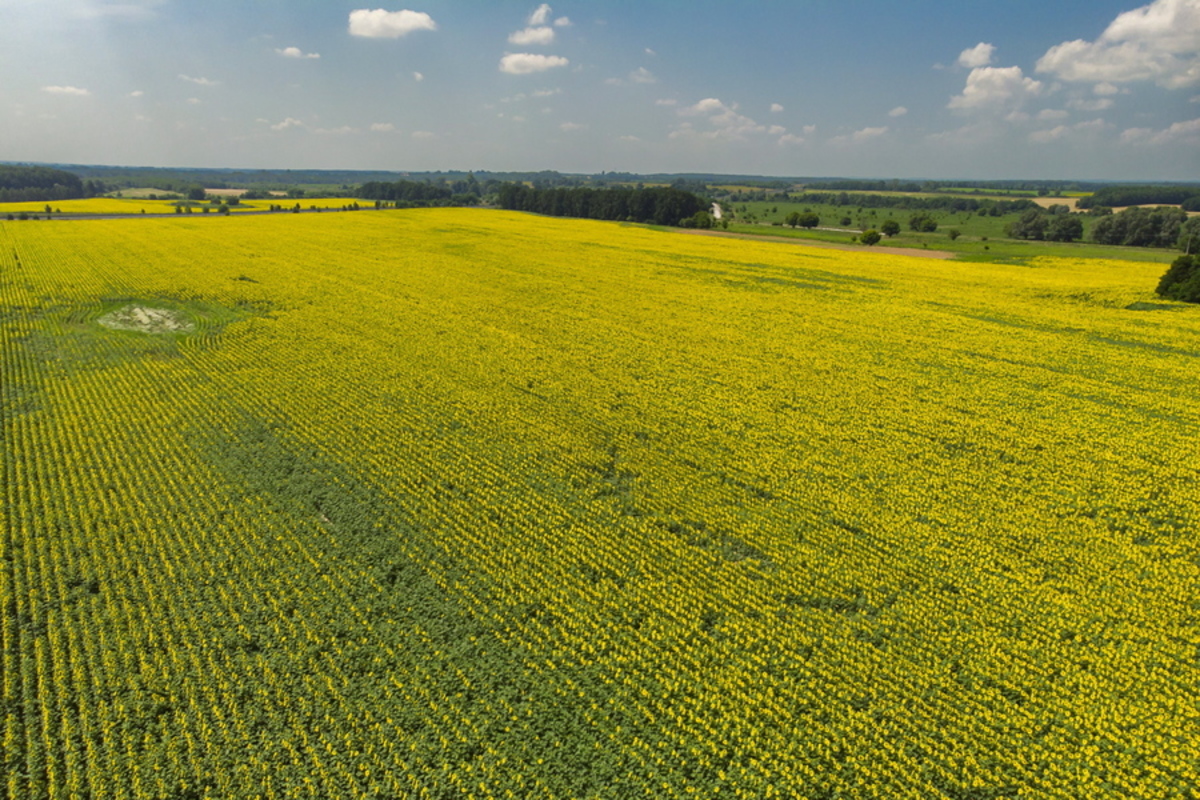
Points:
[466,503]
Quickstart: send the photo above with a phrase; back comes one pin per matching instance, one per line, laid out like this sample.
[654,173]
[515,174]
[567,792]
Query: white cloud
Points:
[860,136]
[418,76]
[424,135]
[1188,132]
[995,88]
[776,130]
[562,22]
[898,111]
[978,56]
[382,127]
[809,130]
[572,126]
[67,90]
[193,101]
[199,81]
[137,93]
[666,102]
[776,108]
[642,75]
[706,106]
[1062,132]
[295,52]
[547,92]
[342,131]
[290,122]
[650,52]
[1194,99]
[1104,89]
[529,36]
[382,24]
[726,122]
[528,63]
[791,139]
[1052,114]
[1099,104]
[540,15]
[1158,42]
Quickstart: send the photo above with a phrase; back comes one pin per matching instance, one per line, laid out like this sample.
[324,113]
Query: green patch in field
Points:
[1141,306]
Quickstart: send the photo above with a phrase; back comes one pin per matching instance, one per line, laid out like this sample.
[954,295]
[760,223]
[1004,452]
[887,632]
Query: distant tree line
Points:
[1142,227]
[419,193]
[1188,196]
[655,205]
[995,208]
[37,184]
[1053,224]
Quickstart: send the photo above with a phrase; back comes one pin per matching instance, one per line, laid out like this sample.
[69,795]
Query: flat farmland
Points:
[466,503]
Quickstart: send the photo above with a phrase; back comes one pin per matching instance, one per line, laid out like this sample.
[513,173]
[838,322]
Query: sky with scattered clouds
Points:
[1083,89]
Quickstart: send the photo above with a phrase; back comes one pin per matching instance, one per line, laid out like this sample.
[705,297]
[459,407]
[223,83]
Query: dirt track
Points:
[897,251]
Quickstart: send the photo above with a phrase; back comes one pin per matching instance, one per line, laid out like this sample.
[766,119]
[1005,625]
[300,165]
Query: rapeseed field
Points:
[462,503]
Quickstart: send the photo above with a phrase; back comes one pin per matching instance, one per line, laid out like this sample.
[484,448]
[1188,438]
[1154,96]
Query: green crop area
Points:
[477,504]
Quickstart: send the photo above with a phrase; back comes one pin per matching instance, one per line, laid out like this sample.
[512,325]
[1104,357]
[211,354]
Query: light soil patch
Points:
[225,192]
[1046,202]
[147,320]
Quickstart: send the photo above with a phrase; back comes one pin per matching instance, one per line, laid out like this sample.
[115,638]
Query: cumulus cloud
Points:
[642,75]
[978,56]
[342,131]
[1062,132]
[1098,104]
[382,127]
[572,126]
[137,93]
[776,108]
[530,36]
[898,111]
[666,101]
[1052,114]
[995,88]
[290,122]
[1158,42]
[528,63]
[418,76]
[382,24]
[295,52]
[541,15]
[193,101]
[67,90]
[562,22]
[790,140]
[724,120]
[860,136]
[1188,131]
[199,81]
[1104,89]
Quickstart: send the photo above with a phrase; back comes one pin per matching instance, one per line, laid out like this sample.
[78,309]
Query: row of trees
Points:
[19,184]
[1055,224]
[1188,196]
[656,205]
[417,193]
[1142,227]
[990,207]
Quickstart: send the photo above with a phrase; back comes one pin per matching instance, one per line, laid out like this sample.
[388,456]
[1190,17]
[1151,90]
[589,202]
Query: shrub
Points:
[1182,280]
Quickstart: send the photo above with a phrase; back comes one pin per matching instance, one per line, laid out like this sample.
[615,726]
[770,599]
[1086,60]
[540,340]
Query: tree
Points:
[1189,236]
[953,233]
[809,220]
[1182,280]
[1030,225]
[870,237]
[890,228]
[195,193]
[1064,228]
[793,219]
[923,223]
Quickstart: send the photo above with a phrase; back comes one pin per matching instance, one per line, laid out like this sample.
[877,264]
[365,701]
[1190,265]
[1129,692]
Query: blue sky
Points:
[1087,89]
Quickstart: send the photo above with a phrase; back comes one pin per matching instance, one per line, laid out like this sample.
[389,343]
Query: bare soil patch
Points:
[1046,202]
[147,320]
[896,251]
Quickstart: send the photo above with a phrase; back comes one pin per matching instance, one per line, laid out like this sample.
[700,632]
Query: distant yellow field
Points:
[464,503]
